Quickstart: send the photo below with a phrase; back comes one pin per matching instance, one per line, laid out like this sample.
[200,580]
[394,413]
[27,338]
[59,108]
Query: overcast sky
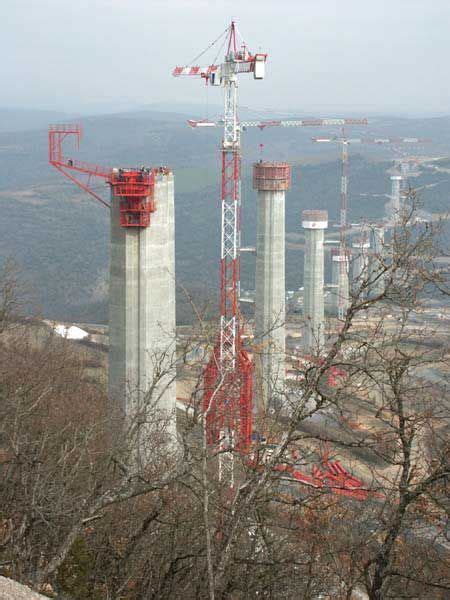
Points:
[353,55]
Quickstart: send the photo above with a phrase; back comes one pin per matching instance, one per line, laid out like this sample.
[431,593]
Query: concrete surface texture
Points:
[393,206]
[271,180]
[340,279]
[376,261]
[142,315]
[314,222]
[360,266]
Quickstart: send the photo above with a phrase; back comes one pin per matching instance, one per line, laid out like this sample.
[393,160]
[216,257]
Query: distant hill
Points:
[13,119]
[60,235]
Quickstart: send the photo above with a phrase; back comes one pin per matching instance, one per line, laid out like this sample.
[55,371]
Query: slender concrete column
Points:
[339,279]
[360,263]
[271,180]
[142,343]
[394,206]
[377,257]
[314,222]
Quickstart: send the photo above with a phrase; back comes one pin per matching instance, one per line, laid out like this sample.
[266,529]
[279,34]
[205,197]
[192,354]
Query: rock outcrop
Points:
[12,590]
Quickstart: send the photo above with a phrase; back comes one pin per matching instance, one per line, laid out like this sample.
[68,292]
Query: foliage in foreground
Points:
[75,513]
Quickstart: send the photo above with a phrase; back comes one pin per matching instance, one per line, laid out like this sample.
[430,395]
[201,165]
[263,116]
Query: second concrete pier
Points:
[271,180]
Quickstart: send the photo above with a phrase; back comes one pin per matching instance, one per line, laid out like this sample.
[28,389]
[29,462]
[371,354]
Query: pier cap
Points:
[340,254]
[361,244]
[315,219]
[271,176]
[339,258]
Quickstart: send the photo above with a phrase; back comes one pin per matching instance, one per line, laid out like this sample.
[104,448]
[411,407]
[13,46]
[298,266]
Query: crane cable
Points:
[208,47]
[241,36]
[221,47]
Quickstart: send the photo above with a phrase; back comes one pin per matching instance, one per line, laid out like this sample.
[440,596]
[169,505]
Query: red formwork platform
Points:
[271,176]
[135,189]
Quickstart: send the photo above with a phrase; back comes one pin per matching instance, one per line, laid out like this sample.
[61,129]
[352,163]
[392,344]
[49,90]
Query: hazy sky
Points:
[353,55]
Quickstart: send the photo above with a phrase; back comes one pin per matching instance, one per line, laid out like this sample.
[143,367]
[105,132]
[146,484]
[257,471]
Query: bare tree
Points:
[13,294]
[75,514]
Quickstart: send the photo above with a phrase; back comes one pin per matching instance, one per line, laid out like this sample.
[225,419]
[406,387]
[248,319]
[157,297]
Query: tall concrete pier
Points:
[376,262]
[142,346]
[271,180]
[339,279]
[394,206]
[314,222]
[360,263]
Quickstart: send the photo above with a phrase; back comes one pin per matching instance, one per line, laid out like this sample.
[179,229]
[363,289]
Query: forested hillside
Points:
[60,236]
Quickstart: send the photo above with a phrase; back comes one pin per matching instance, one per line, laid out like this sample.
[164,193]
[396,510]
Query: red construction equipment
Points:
[228,379]
[136,192]
[228,388]
[331,476]
[344,178]
[134,187]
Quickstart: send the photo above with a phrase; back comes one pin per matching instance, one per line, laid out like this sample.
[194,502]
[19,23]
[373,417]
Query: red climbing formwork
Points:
[135,189]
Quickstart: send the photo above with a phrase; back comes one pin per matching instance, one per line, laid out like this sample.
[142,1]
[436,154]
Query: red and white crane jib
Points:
[214,74]
[303,123]
[282,123]
[367,140]
[194,71]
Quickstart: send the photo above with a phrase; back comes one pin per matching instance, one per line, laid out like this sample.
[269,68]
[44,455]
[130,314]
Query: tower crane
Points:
[228,398]
[345,142]
[228,386]
[228,379]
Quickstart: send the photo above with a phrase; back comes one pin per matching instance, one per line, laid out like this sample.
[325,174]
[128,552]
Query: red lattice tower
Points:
[228,393]
[227,402]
